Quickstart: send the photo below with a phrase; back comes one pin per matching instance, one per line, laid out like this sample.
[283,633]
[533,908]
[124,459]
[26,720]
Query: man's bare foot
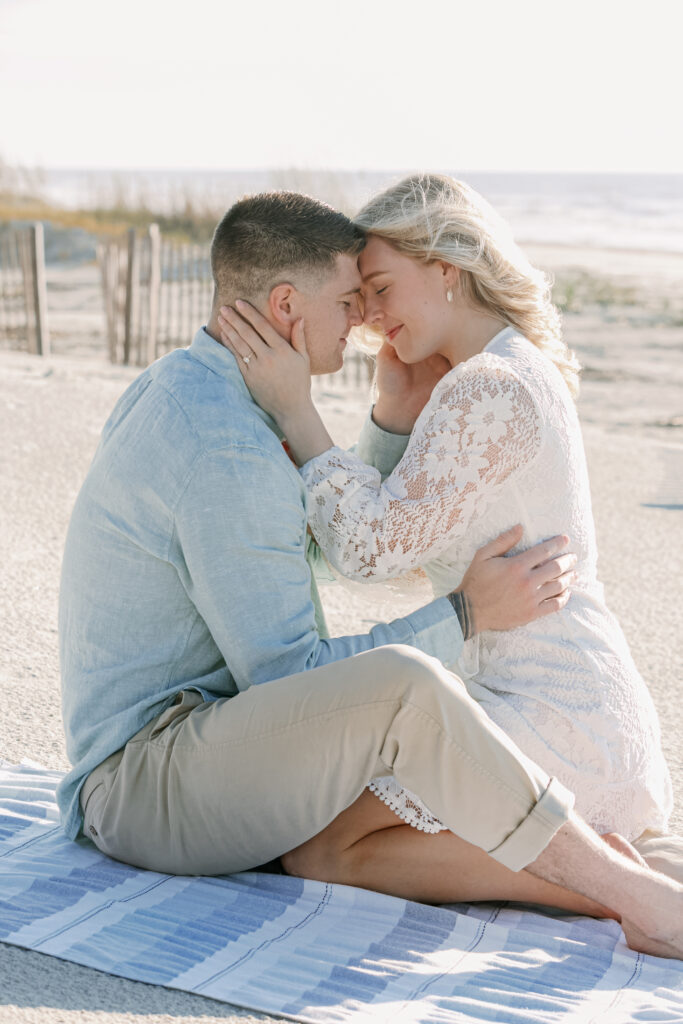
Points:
[659,933]
[653,922]
[648,904]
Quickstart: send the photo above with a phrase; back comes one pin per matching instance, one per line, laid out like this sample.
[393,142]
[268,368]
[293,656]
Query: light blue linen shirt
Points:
[185,561]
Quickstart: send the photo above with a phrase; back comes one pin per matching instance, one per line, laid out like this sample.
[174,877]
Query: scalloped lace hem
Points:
[400,802]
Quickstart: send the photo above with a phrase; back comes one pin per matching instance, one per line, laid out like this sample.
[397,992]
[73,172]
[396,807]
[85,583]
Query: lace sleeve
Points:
[480,427]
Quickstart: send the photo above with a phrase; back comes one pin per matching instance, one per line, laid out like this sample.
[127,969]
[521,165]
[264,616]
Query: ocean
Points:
[615,211]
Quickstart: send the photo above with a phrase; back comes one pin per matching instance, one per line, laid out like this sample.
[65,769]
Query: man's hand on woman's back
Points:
[501,591]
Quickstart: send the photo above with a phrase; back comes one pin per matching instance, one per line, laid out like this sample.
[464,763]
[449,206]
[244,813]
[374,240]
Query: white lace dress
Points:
[499,443]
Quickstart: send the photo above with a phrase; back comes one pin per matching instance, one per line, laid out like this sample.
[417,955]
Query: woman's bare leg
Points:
[369,846]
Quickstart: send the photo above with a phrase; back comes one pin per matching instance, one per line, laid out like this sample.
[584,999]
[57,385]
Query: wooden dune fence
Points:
[157,292]
[23,295]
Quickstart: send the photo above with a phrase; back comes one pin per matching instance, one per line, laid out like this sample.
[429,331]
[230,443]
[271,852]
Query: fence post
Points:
[5,288]
[131,295]
[185,296]
[108,259]
[37,251]
[24,254]
[154,289]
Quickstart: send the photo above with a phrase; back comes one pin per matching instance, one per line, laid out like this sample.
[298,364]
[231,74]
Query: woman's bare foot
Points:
[622,846]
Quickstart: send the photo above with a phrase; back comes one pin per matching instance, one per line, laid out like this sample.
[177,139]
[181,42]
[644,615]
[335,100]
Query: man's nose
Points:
[372,311]
[355,312]
[355,316]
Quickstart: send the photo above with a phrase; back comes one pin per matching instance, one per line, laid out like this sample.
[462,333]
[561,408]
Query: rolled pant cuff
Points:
[532,835]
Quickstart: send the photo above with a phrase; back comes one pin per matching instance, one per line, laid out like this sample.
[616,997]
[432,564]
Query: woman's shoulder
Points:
[510,361]
[488,385]
[489,373]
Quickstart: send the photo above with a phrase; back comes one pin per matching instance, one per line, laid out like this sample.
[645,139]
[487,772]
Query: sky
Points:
[540,85]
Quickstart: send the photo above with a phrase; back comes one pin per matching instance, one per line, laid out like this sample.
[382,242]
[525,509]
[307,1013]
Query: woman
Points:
[497,443]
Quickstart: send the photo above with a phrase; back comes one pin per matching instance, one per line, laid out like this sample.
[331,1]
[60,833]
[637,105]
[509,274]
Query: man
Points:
[210,725]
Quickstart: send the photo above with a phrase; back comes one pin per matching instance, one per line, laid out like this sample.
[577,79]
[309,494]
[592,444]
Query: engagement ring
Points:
[246,359]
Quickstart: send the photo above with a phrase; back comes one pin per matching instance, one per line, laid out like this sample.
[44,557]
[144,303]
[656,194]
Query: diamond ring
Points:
[245,359]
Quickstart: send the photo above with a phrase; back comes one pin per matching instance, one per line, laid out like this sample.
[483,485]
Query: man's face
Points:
[330,309]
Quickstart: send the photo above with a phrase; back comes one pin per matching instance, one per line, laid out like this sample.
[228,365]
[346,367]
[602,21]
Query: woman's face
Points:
[406,300]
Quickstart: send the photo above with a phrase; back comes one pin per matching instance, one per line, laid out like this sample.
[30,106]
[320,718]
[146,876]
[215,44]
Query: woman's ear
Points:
[451,275]
[282,305]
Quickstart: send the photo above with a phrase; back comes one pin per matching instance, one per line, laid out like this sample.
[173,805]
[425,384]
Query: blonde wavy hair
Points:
[434,217]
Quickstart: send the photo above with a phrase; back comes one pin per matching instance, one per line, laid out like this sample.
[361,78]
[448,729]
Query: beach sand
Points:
[51,414]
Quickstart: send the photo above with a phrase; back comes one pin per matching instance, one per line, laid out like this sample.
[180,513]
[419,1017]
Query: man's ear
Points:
[283,307]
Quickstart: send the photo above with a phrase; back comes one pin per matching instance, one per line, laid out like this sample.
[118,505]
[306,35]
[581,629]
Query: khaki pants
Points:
[213,788]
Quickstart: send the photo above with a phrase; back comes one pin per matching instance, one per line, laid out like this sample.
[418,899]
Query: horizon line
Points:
[293,168]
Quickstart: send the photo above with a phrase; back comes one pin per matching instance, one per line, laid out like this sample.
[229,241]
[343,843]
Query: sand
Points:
[51,413]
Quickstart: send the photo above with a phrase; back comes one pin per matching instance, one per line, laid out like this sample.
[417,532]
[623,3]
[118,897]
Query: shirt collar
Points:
[220,360]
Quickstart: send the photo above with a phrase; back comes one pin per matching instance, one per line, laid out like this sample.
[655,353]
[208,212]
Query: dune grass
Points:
[575,289]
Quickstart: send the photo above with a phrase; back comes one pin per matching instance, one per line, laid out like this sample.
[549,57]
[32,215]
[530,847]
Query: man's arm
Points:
[241,534]
[380,449]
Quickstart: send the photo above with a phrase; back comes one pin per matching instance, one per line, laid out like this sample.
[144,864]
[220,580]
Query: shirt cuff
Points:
[437,631]
[380,449]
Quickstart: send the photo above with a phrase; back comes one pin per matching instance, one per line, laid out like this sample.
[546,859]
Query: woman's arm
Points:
[278,374]
[480,429]
[403,389]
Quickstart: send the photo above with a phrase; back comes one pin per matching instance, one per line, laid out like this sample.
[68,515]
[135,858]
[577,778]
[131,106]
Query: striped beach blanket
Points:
[306,950]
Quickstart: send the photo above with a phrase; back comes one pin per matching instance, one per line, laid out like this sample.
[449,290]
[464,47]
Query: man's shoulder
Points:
[207,406]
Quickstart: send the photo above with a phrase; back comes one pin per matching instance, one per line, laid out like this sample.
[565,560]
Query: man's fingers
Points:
[544,551]
[553,568]
[555,587]
[553,604]
[502,544]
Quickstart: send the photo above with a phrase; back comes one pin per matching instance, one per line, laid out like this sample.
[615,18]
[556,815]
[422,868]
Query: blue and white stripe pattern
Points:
[306,950]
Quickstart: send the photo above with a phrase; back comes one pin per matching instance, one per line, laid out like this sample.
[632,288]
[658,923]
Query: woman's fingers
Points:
[239,358]
[299,338]
[237,345]
[263,330]
[243,329]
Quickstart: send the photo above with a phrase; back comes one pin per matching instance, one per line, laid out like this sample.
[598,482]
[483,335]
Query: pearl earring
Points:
[449,295]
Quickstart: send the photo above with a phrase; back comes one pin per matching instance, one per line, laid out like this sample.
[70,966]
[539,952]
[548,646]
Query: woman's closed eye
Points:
[380,290]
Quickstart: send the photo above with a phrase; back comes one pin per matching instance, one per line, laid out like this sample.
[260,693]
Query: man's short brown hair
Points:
[268,238]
